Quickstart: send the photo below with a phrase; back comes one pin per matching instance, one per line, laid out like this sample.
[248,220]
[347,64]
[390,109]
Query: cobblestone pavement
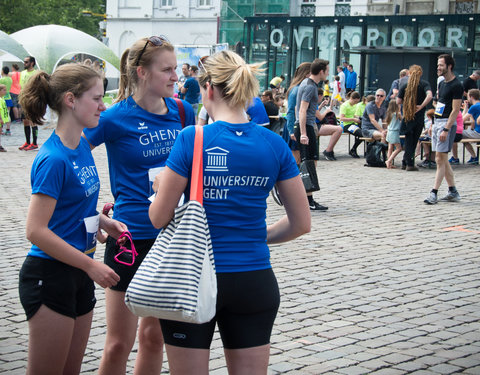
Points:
[383,284]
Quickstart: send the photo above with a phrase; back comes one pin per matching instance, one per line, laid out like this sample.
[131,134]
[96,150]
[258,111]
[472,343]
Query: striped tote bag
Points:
[177,280]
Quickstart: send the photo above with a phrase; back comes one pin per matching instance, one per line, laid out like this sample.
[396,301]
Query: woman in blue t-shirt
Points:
[55,283]
[302,72]
[242,162]
[138,131]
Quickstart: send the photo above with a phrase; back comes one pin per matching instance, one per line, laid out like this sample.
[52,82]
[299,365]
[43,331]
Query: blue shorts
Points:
[14,99]
[9,103]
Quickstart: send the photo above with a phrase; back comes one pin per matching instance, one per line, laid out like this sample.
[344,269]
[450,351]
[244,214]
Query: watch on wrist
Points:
[445,130]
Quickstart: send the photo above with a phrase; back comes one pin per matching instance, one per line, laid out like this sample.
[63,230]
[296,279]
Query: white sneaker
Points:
[431,199]
[451,197]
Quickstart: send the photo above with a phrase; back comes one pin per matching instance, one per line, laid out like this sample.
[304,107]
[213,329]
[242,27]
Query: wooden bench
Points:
[464,141]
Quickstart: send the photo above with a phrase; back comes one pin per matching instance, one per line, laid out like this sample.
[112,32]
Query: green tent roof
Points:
[10,45]
[50,43]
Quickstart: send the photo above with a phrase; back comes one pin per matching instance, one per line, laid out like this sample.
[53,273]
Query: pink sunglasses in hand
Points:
[126,256]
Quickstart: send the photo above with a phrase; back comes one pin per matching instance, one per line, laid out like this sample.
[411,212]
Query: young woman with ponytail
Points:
[139,131]
[415,96]
[55,283]
[234,198]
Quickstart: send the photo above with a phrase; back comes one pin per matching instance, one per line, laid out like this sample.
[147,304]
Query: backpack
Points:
[376,154]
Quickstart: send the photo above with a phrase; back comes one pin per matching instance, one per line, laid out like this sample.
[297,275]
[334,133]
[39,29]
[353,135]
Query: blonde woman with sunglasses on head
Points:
[56,280]
[242,162]
[138,132]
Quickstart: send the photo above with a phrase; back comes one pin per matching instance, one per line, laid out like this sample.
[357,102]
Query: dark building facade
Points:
[378,47]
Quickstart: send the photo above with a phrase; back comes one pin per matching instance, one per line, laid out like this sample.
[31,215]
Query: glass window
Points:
[476,46]
[377,35]
[166,3]
[457,36]
[402,36]
[303,40]
[279,43]
[204,3]
[327,46]
[429,35]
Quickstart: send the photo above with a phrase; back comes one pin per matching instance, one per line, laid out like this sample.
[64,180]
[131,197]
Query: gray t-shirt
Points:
[372,108]
[308,92]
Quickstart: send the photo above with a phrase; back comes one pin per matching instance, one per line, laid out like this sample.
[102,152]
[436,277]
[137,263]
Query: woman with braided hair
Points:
[415,96]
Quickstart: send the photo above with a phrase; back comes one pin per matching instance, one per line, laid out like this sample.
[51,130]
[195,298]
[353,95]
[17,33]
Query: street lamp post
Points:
[102,24]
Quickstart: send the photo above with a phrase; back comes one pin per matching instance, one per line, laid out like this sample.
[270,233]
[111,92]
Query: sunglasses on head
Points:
[156,41]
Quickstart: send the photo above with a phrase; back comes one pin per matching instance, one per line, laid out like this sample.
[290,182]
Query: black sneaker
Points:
[353,154]
[329,155]
[314,206]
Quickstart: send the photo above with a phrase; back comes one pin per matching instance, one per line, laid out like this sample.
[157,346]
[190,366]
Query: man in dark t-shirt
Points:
[471,82]
[449,99]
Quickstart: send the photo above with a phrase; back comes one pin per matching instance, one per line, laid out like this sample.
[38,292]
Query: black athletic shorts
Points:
[247,304]
[125,272]
[458,137]
[64,289]
[310,151]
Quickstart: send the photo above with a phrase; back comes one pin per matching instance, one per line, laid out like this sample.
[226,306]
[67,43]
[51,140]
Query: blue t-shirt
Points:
[70,177]
[351,80]
[241,163]
[193,90]
[291,104]
[258,113]
[474,110]
[138,144]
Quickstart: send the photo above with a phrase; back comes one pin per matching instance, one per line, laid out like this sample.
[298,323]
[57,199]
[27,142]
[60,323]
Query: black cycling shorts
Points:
[310,151]
[247,304]
[125,272]
[62,288]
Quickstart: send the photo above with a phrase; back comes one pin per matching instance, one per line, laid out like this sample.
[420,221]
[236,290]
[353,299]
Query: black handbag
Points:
[308,173]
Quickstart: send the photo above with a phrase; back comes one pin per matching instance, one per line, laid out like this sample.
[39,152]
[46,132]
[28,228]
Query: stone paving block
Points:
[445,368]
[335,287]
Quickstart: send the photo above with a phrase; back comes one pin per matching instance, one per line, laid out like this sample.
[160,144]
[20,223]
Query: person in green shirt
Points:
[7,81]
[29,127]
[351,123]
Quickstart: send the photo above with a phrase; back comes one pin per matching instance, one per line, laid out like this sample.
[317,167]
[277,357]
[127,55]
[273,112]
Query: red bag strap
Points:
[196,186]
[181,111]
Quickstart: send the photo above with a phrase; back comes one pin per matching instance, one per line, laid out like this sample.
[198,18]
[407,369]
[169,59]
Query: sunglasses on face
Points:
[380,96]
[156,41]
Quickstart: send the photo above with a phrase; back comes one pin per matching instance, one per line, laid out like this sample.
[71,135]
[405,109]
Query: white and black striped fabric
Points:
[176,280]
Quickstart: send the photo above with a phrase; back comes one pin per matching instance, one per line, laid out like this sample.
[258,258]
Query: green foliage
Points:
[19,14]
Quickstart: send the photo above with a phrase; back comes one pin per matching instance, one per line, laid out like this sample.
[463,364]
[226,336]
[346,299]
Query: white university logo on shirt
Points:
[216,159]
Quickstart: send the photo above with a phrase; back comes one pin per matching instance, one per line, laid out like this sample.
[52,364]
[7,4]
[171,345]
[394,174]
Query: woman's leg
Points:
[81,332]
[186,361]
[150,347]
[334,131]
[50,336]
[249,361]
[121,332]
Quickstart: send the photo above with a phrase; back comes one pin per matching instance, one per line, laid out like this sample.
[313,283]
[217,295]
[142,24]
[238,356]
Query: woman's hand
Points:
[102,274]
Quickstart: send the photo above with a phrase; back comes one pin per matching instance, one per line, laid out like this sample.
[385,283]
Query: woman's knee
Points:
[150,333]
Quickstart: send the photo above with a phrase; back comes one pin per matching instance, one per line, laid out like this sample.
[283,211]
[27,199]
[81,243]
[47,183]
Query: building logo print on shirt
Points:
[75,166]
[216,159]
[142,126]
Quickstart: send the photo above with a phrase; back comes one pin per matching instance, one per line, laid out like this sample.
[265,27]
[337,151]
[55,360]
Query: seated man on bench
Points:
[374,111]
[471,115]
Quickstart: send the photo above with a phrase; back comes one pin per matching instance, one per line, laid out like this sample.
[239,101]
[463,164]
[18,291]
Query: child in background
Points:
[336,97]
[394,119]
[326,90]
[429,161]
[4,115]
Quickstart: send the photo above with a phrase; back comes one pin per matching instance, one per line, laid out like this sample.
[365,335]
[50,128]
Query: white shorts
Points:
[437,129]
